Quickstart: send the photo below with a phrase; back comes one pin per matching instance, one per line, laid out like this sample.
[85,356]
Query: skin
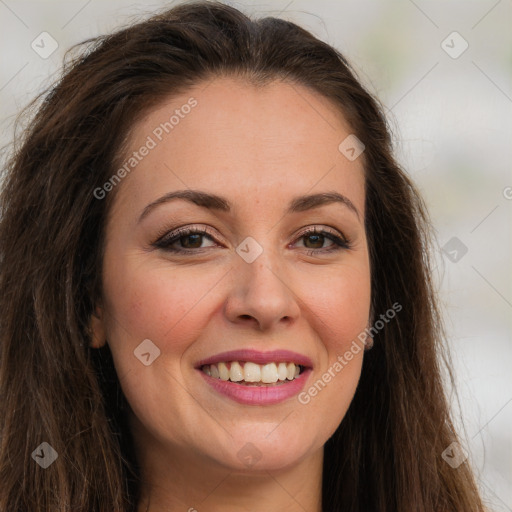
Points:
[258,148]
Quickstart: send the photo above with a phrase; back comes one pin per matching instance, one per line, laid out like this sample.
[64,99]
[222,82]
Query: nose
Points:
[261,293]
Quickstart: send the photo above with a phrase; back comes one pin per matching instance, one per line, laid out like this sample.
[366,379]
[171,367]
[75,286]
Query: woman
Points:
[142,370]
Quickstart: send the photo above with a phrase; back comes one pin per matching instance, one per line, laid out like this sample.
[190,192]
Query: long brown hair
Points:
[386,454]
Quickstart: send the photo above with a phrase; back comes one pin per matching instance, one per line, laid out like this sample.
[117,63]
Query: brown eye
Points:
[189,239]
[192,241]
[314,240]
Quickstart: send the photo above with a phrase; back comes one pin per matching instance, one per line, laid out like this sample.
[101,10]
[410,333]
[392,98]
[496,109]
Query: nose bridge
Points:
[259,287]
[263,271]
[261,275]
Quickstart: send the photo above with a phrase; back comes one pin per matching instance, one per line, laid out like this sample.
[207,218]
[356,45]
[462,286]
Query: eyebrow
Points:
[215,202]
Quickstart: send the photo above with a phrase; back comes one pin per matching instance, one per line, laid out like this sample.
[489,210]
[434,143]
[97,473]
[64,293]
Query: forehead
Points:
[238,140]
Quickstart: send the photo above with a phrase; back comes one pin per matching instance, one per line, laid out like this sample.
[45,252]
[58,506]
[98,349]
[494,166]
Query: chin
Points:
[255,453]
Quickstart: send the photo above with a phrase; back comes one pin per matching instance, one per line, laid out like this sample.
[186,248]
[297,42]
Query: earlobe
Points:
[97,329]
[368,339]
[368,343]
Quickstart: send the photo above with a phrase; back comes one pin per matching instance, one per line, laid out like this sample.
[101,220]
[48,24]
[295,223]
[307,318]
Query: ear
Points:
[97,329]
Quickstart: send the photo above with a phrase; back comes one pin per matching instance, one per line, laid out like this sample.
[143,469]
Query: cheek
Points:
[168,307]
[156,303]
[341,306]
[340,314]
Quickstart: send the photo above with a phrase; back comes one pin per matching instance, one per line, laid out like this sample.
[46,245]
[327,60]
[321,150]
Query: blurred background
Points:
[443,71]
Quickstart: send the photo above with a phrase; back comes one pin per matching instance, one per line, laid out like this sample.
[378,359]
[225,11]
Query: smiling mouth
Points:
[252,374]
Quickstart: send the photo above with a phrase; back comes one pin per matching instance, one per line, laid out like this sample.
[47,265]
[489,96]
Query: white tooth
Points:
[215,371]
[282,372]
[291,371]
[269,373]
[223,371]
[252,372]
[297,371]
[207,370]
[236,373]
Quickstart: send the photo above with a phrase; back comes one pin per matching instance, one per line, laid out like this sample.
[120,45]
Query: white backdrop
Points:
[443,71]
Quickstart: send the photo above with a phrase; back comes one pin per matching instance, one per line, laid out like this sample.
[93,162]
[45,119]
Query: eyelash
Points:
[164,242]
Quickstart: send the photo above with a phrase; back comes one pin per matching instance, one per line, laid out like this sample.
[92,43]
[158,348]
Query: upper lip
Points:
[258,357]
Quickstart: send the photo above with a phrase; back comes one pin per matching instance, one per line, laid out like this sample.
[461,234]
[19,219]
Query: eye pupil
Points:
[318,237]
[188,237]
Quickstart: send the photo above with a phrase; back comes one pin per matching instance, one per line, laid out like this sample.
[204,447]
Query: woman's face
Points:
[258,281]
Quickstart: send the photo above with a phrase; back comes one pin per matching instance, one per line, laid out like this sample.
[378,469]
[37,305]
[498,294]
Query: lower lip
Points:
[258,395]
